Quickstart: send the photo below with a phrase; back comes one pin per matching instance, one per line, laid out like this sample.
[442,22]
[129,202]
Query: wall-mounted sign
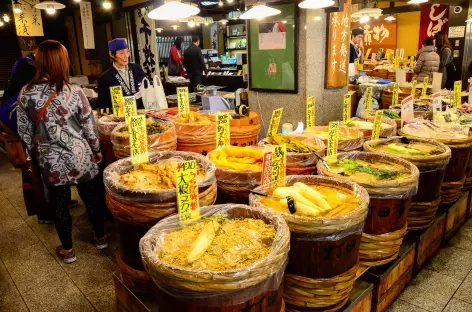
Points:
[378,33]
[434,18]
[87,24]
[456,32]
[28,23]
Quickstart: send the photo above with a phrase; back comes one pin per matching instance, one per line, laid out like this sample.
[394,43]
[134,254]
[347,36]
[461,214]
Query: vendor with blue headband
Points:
[122,73]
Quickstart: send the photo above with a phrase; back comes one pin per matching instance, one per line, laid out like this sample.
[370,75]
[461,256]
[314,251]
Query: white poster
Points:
[28,23]
[272,36]
[457,32]
[147,43]
[87,24]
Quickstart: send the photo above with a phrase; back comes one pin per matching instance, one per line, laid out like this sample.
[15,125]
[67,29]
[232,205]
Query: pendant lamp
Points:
[315,4]
[50,6]
[173,10]
[258,11]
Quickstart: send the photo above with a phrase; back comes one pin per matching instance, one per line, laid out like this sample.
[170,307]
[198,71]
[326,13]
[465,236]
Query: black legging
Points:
[91,196]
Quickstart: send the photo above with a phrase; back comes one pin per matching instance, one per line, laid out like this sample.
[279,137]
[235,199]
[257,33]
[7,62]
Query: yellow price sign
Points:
[377,124]
[266,176]
[347,107]
[274,122]
[396,90]
[367,53]
[130,106]
[396,63]
[368,100]
[412,61]
[117,101]
[333,137]
[310,111]
[187,191]
[358,64]
[414,83]
[457,93]
[223,129]
[279,163]
[138,139]
[182,100]
[425,87]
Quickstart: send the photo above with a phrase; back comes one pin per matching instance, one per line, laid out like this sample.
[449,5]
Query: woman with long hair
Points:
[56,123]
[446,65]
[175,65]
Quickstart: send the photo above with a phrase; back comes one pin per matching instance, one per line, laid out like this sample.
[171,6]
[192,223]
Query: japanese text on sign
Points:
[130,106]
[138,139]
[407,109]
[368,100]
[274,122]
[425,87]
[223,129]
[437,105]
[396,63]
[457,93]
[347,107]
[377,124]
[182,100]
[413,88]
[87,24]
[279,162]
[333,135]
[187,191]
[28,21]
[117,101]
[310,111]
[396,90]
[147,42]
[266,177]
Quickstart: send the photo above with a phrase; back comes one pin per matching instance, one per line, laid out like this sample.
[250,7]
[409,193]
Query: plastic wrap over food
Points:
[106,124]
[382,175]
[196,127]
[217,287]
[328,226]
[454,116]
[349,139]
[124,189]
[445,133]
[161,136]
[388,127]
[361,108]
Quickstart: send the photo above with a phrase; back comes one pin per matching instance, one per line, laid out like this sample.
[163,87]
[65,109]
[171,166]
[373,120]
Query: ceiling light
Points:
[220,3]
[175,26]
[469,20]
[191,24]
[173,10]
[51,11]
[106,5]
[208,3]
[315,4]
[317,18]
[367,11]
[159,29]
[50,6]
[224,21]
[6,18]
[230,1]
[260,10]
[417,1]
[1,24]
[17,8]
[76,1]
[390,18]
[364,19]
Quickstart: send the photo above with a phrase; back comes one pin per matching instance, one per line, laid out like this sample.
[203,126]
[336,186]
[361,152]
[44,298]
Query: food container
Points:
[350,139]
[137,209]
[432,167]
[388,127]
[390,191]
[244,130]
[403,93]
[255,286]
[324,250]
[106,124]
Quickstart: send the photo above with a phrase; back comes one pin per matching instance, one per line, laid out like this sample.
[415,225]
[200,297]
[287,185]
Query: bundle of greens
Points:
[351,166]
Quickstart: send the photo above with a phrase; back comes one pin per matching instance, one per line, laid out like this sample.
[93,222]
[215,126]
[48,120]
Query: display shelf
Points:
[360,299]
[127,301]
[455,216]
[236,37]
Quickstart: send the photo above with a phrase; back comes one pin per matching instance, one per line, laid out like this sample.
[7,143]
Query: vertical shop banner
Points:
[339,33]
[378,34]
[147,43]
[214,36]
[87,24]
[434,18]
[28,22]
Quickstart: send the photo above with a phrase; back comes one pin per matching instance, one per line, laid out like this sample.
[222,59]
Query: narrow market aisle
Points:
[31,276]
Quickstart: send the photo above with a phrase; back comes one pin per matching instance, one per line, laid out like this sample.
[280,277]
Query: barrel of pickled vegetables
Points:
[232,259]
[431,158]
[403,93]
[391,182]
[105,125]
[326,223]
[349,139]
[388,127]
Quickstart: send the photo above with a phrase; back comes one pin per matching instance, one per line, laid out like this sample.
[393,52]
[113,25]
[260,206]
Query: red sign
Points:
[434,18]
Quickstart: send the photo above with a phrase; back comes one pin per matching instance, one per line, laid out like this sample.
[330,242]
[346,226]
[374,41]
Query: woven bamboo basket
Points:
[349,139]
[387,96]
[254,288]
[388,207]
[384,133]
[432,168]
[105,125]
[314,278]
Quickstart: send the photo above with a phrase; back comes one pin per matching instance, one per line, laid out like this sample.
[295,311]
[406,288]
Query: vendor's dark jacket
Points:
[108,79]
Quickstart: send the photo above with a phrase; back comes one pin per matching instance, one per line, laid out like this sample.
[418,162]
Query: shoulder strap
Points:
[44,108]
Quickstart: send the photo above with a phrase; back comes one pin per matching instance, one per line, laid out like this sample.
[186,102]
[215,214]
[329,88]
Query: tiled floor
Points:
[32,278]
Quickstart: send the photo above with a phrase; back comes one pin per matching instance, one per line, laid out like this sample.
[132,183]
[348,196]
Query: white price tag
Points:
[437,105]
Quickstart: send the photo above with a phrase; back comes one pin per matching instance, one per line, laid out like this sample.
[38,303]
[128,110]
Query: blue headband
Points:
[117,44]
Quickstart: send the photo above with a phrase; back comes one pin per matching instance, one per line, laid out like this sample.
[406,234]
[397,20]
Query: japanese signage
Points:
[274,122]
[457,93]
[437,104]
[377,124]
[425,87]
[28,22]
[434,18]
[396,62]
[378,33]
[182,100]
[87,24]
[347,107]
[338,47]
[138,139]
[187,191]
[147,43]
[414,83]
[222,129]
[129,107]
[333,136]
[396,89]
[456,32]
[407,109]
[310,111]
[279,161]
[266,177]
[367,53]
[368,100]
[117,101]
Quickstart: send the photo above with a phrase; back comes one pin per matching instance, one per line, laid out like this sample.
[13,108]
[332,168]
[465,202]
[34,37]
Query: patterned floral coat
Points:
[65,141]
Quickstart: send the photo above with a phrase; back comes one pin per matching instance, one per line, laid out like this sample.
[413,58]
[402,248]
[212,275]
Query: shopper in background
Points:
[427,61]
[446,65]
[55,121]
[175,66]
[357,48]
[194,63]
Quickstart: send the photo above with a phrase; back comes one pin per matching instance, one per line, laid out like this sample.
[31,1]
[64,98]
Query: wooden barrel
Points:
[245,130]
[432,168]
[386,224]
[105,125]
[255,289]
[384,133]
[324,252]
[350,139]
[387,96]
[468,177]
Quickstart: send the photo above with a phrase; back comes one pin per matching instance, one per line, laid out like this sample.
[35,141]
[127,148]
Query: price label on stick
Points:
[130,107]
[138,139]
[377,124]
[117,101]
[437,105]
[425,87]
[274,122]
[187,191]
[279,161]
[412,61]
[310,111]
[347,107]
[223,129]
[457,93]
[396,63]
[414,83]
[396,90]
[266,177]
[407,110]
[368,100]
[182,100]
[367,53]
[333,136]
